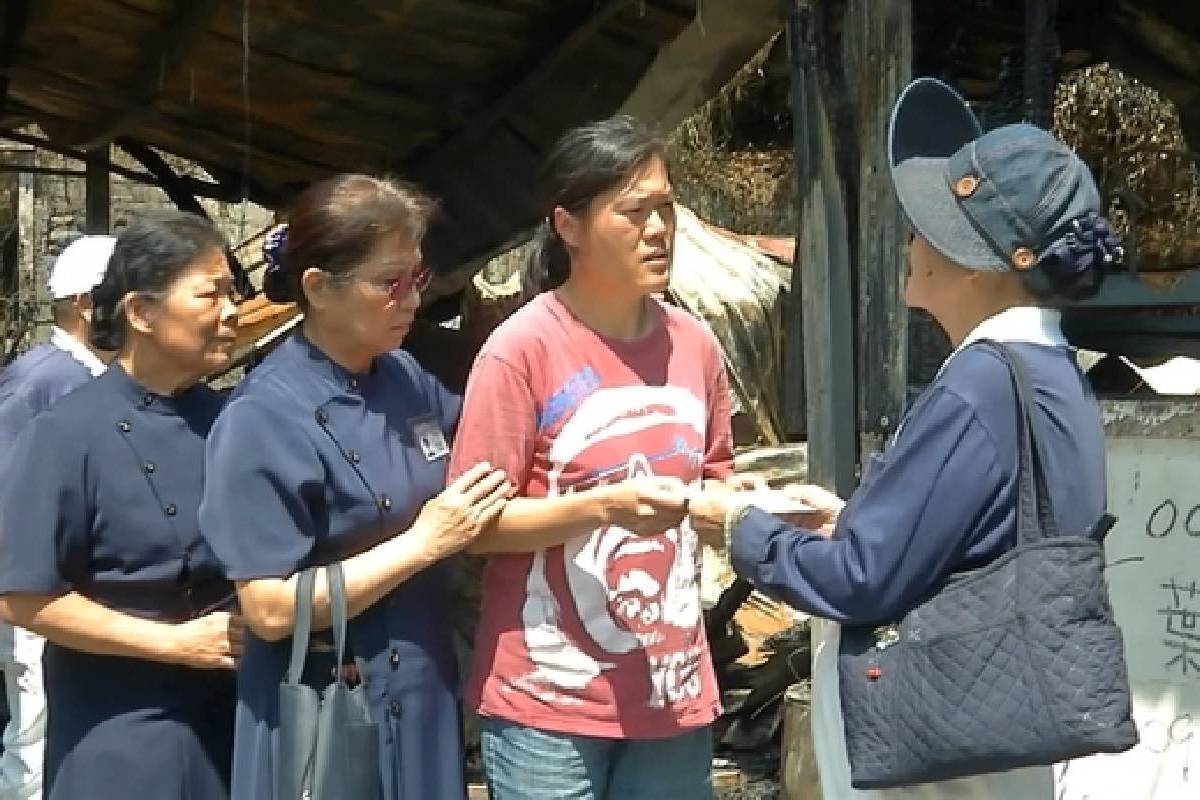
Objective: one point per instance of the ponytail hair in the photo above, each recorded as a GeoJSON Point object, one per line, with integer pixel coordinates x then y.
{"type": "Point", "coordinates": [585, 163]}
{"type": "Point", "coordinates": [547, 262]}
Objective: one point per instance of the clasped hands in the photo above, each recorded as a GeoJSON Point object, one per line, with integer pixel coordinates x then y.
{"type": "Point", "coordinates": [662, 503]}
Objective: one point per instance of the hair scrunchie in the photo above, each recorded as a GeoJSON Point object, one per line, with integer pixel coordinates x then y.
{"type": "Point", "coordinates": [1090, 244]}
{"type": "Point", "coordinates": [273, 247]}
{"type": "Point", "coordinates": [1076, 263]}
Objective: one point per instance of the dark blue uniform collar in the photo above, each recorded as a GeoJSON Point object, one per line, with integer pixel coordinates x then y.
{"type": "Point", "coordinates": [332, 375]}
{"type": "Point", "coordinates": [118, 380]}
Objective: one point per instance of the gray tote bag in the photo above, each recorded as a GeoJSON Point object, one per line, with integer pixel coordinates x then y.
{"type": "Point", "coordinates": [328, 745]}
{"type": "Point", "coordinates": [1013, 664]}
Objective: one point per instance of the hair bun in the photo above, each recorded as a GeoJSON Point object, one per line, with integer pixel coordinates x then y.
{"type": "Point", "coordinates": [1076, 263]}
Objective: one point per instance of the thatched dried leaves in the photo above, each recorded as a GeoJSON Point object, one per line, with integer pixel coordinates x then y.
{"type": "Point", "coordinates": [1131, 137]}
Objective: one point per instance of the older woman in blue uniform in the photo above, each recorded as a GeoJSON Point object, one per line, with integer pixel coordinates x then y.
{"type": "Point", "coordinates": [1004, 225]}
{"type": "Point", "coordinates": [334, 449]}
{"type": "Point", "coordinates": [29, 386]}
{"type": "Point", "coordinates": [100, 546]}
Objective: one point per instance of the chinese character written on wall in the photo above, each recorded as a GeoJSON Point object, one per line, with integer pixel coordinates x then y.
{"type": "Point", "coordinates": [1182, 626]}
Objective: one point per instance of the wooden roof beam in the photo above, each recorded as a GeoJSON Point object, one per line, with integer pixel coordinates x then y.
{"type": "Point", "coordinates": [198, 188]}
{"type": "Point", "coordinates": [168, 48]}
{"type": "Point", "coordinates": [480, 126]}
{"type": "Point", "coordinates": [16, 14]}
{"type": "Point", "coordinates": [181, 195]}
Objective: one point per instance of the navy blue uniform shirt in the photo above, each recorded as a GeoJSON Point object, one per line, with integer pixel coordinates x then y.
{"type": "Point", "coordinates": [101, 499]}
{"type": "Point", "coordinates": [33, 383]}
{"type": "Point", "coordinates": [310, 464]}
{"type": "Point", "coordinates": [943, 497]}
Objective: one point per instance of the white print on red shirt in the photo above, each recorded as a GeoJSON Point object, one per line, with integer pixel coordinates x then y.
{"type": "Point", "coordinates": [630, 592]}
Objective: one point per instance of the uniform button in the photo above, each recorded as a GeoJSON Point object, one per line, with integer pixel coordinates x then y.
{"type": "Point", "coordinates": [394, 657]}
{"type": "Point", "coordinates": [354, 457]}
{"type": "Point", "coordinates": [169, 509]}
{"type": "Point", "coordinates": [354, 384]}
{"type": "Point", "coordinates": [124, 427]}
{"type": "Point", "coordinates": [394, 708]}
{"type": "Point", "coordinates": [322, 417]}
{"type": "Point", "coordinates": [149, 467]}
{"type": "Point", "coordinates": [147, 399]}
{"type": "Point", "coordinates": [385, 502]}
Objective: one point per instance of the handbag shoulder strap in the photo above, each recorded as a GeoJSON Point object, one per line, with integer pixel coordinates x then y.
{"type": "Point", "coordinates": [305, 586]}
{"type": "Point", "coordinates": [336, 581]}
{"type": "Point", "coordinates": [1035, 509]}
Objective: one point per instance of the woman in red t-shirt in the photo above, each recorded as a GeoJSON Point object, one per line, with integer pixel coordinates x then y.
{"type": "Point", "coordinates": [592, 673]}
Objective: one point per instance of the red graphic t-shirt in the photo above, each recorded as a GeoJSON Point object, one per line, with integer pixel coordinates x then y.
{"type": "Point", "coordinates": [601, 636]}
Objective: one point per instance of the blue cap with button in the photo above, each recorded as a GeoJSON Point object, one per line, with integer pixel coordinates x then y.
{"type": "Point", "coordinates": [1014, 198]}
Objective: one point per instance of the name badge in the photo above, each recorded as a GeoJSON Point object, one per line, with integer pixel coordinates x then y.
{"type": "Point", "coordinates": [430, 438]}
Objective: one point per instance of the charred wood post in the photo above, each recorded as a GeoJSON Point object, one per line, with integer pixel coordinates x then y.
{"type": "Point", "coordinates": [849, 60]}
{"type": "Point", "coordinates": [97, 195]}
{"type": "Point", "coordinates": [879, 52]}
{"type": "Point", "coordinates": [818, 376]}
{"type": "Point", "coordinates": [1041, 56]}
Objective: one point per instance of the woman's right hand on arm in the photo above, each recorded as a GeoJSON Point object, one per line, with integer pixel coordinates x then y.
{"type": "Point", "coordinates": [452, 520]}
{"type": "Point", "coordinates": [213, 641]}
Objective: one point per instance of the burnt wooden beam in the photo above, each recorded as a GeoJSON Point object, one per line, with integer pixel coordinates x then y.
{"type": "Point", "coordinates": [16, 15]}
{"type": "Point", "coordinates": [482, 123]}
{"type": "Point", "coordinates": [98, 191]}
{"type": "Point", "coordinates": [35, 170]}
{"type": "Point", "coordinates": [185, 23]}
{"type": "Point", "coordinates": [168, 180]}
{"type": "Point", "coordinates": [177, 190]}
{"type": "Point", "coordinates": [1165, 40]}
{"type": "Point", "coordinates": [196, 187]}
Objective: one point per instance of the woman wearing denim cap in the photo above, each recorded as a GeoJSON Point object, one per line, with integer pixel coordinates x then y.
{"type": "Point", "coordinates": [1004, 225]}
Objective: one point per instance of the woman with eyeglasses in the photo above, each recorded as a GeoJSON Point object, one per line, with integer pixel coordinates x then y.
{"type": "Point", "coordinates": [100, 545]}
{"type": "Point", "coordinates": [334, 449]}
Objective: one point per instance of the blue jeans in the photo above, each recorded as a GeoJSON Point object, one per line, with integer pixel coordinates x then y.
{"type": "Point", "coordinates": [524, 763]}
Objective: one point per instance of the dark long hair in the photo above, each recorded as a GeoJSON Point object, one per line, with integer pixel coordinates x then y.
{"type": "Point", "coordinates": [585, 163]}
{"type": "Point", "coordinates": [149, 255]}
{"type": "Point", "coordinates": [334, 224]}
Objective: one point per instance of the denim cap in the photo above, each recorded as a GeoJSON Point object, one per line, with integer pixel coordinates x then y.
{"type": "Point", "coordinates": [995, 201]}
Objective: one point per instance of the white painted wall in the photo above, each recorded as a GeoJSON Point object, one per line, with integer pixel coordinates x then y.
{"type": "Point", "coordinates": [1154, 579]}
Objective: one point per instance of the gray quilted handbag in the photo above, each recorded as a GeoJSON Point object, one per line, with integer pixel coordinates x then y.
{"type": "Point", "coordinates": [1014, 664]}
{"type": "Point", "coordinates": [328, 745]}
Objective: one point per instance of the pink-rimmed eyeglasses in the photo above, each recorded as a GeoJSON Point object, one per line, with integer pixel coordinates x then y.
{"type": "Point", "coordinates": [396, 288]}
